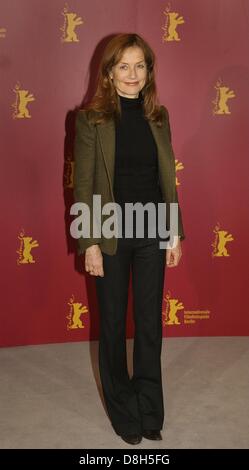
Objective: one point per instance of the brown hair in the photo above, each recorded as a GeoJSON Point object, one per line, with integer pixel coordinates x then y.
{"type": "Point", "coordinates": [106, 102]}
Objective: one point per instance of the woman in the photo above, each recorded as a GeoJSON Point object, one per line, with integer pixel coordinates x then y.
{"type": "Point", "coordinates": [123, 153]}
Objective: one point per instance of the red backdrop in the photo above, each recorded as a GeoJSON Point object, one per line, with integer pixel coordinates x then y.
{"type": "Point", "coordinates": [49, 57]}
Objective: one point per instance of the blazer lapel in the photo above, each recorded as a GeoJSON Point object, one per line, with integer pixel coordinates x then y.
{"type": "Point", "coordinates": [166, 160]}
{"type": "Point", "coordinates": [106, 133]}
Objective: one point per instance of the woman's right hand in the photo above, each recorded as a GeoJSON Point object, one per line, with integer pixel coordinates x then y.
{"type": "Point", "coordinates": [94, 261]}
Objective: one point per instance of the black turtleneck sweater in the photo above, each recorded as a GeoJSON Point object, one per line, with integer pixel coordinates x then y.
{"type": "Point", "coordinates": [136, 163]}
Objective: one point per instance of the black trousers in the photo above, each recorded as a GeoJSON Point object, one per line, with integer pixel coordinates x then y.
{"type": "Point", "coordinates": [133, 403]}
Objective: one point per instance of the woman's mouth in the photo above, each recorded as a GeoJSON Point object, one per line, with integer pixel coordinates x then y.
{"type": "Point", "coordinates": [133, 83]}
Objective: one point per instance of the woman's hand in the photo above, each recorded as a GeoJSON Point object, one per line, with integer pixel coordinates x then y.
{"type": "Point", "coordinates": [173, 255]}
{"type": "Point", "coordinates": [94, 261]}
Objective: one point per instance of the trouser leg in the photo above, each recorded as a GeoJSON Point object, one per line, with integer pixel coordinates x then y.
{"type": "Point", "coordinates": [112, 292]}
{"type": "Point", "coordinates": [148, 272]}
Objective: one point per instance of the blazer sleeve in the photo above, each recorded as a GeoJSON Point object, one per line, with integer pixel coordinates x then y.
{"type": "Point", "coordinates": [84, 170]}
{"type": "Point", "coordinates": [180, 221]}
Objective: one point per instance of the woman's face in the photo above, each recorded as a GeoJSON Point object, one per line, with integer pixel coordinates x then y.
{"type": "Point", "coordinates": [129, 74]}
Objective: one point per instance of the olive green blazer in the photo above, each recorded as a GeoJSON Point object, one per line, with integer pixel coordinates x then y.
{"type": "Point", "coordinates": [94, 156]}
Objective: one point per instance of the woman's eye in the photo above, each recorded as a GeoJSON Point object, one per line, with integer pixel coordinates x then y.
{"type": "Point", "coordinates": [125, 66]}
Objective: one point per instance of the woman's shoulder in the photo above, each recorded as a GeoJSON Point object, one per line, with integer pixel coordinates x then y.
{"type": "Point", "coordinates": [90, 115]}
{"type": "Point", "coordinates": [84, 115]}
{"type": "Point", "coordinates": [164, 111]}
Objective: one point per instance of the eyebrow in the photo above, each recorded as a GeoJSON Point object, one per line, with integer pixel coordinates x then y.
{"type": "Point", "coordinates": [136, 62]}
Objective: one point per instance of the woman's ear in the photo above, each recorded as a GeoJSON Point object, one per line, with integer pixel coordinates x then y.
{"type": "Point", "coordinates": [110, 74]}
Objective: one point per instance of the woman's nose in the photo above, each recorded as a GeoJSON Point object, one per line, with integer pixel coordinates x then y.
{"type": "Point", "coordinates": [132, 73]}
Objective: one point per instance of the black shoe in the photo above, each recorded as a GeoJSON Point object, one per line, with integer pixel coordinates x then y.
{"type": "Point", "coordinates": [152, 434]}
{"type": "Point", "coordinates": [131, 438]}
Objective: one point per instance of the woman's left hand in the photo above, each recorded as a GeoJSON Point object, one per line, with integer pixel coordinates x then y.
{"type": "Point", "coordinates": [173, 255]}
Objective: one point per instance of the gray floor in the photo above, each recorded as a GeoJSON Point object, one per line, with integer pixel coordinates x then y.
{"type": "Point", "coordinates": [49, 397]}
